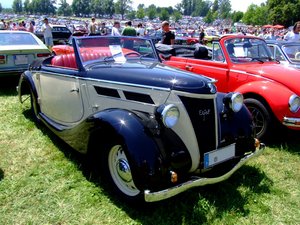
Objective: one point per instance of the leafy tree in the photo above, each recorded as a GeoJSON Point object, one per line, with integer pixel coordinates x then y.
{"type": "Point", "coordinates": [17, 6]}
{"type": "Point", "coordinates": [131, 15]}
{"type": "Point", "coordinates": [201, 8]}
{"type": "Point", "coordinates": [285, 12]}
{"type": "Point", "coordinates": [27, 8]}
{"type": "Point", "coordinates": [236, 16]}
{"type": "Point", "coordinates": [1, 8]}
{"type": "Point", "coordinates": [109, 7]}
{"type": "Point", "coordinates": [64, 9]}
{"type": "Point", "coordinates": [151, 12]}
{"type": "Point", "coordinates": [224, 9]}
{"type": "Point", "coordinates": [97, 7]}
{"type": "Point", "coordinates": [177, 15]}
{"type": "Point", "coordinates": [164, 14]}
{"type": "Point", "coordinates": [81, 7]}
{"type": "Point", "coordinates": [123, 6]}
{"type": "Point", "coordinates": [140, 11]}
{"type": "Point", "coordinates": [209, 17]}
{"type": "Point", "coordinates": [256, 15]}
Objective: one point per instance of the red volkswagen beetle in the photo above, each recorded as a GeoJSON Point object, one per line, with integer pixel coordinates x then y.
{"type": "Point", "coordinates": [244, 64]}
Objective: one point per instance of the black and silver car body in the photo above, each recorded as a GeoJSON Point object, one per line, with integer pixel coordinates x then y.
{"type": "Point", "coordinates": [158, 130]}
{"type": "Point", "coordinates": [286, 52]}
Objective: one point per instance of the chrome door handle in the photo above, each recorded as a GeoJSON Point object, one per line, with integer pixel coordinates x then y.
{"type": "Point", "coordinates": [75, 90]}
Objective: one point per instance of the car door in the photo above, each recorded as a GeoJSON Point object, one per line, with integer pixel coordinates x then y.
{"type": "Point", "coordinates": [216, 68]}
{"type": "Point", "coordinates": [60, 97]}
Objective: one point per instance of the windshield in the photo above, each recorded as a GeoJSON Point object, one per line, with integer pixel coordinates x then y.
{"type": "Point", "coordinates": [243, 50]}
{"type": "Point", "coordinates": [293, 52]}
{"type": "Point", "coordinates": [15, 38]}
{"type": "Point", "coordinates": [115, 49]}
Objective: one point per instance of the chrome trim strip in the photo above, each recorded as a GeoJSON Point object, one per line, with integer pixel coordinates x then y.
{"type": "Point", "coordinates": [111, 82]}
{"type": "Point", "coordinates": [291, 122]}
{"type": "Point", "coordinates": [200, 181]}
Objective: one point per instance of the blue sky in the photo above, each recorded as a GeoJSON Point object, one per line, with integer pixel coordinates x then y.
{"type": "Point", "coordinates": [237, 5]}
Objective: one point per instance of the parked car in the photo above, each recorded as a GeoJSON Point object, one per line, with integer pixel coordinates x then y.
{"type": "Point", "coordinates": [17, 50]}
{"type": "Point", "coordinates": [244, 64]}
{"type": "Point", "coordinates": [155, 131]}
{"type": "Point", "coordinates": [60, 33]}
{"type": "Point", "coordinates": [287, 53]}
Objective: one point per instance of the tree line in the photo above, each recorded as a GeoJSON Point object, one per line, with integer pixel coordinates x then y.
{"type": "Point", "coordinates": [285, 12]}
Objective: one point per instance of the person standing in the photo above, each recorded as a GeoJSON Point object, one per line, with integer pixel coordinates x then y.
{"type": "Point", "coordinates": [31, 27]}
{"type": "Point", "coordinates": [47, 31]}
{"type": "Point", "coordinates": [168, 37]}
{"type": "Point", "coordinates": [103, 29]}
{"type": "Point", "coordinates": [201, 37]}
{"type": "Point", "coordinates": [129, 30]}
{"type": "Point", "coordinates": [140, 30]}
{"type": "Point", "coordinates": [92, 28]}
{"type": "Point", "coordinates": [115, 31]}
{"type": "Point", "coordinates": [294, 34]}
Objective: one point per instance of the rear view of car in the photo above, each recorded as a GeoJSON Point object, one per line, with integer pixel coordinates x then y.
{"type": "Point", "coordinates": [18, 49]}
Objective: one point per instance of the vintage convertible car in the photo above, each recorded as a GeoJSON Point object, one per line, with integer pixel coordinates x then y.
{"type": "Point", "coordinates": [153, 130]}
{"type": "Point", "coordinates": [244, 64]}
{"type": "Point", "coordinates": [288, 53]}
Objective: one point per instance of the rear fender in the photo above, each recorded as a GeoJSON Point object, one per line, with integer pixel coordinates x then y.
{"type": "Point", "coordinates": [26, 85]}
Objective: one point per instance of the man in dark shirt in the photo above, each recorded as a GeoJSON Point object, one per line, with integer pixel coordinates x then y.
{"type": "Point", "coordinates": [168, 37]}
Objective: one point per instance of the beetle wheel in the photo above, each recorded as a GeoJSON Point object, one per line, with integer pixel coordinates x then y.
{"type": "Point", "coordinates": [120, 173]}
{"type": "Point", "coordinates": [261, 117]}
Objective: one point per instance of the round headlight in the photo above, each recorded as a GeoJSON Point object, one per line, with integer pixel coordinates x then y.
{"type": "Point", "coordinates": [294, 103]}
{"type": "Point", "coordinates": [236, 102]}
{"type": "Point", "coordinates": [170, 115]}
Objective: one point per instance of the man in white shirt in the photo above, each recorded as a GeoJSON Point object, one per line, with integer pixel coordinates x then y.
{"type": "Point", "coordinates": [294, 34]}
{"type": "Point", "coordinates": [115, 31]}
{"type": "Point", "coordinates": [47, 31]}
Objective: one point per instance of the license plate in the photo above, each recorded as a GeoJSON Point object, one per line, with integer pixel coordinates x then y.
{"type": "Point", "coordinates": [220, 155]}
{"type": "Point", "coordinates": [21, 59]}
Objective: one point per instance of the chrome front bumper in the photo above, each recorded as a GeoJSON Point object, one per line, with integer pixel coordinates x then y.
{"type": "Point", "coordinates": [291, 122]}
{"type": "Point", "coordinates": [170, 192]}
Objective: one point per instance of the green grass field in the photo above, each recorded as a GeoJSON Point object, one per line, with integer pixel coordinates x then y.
{"type": "Point", "coordinates": [43, 181]}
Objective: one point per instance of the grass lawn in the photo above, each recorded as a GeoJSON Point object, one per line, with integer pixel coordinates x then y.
{"type": "Point", "coordinates": [43, 181]}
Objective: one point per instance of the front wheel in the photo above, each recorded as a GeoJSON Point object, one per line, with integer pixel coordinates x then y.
{"type": "Point", "coordinates": [118, 172]}
{"type": "Point", "coordinates": [261, 117]}
{"type": "Point", "coordinates": [34, 106]}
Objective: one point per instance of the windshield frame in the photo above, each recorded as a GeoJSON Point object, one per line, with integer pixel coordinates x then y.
{"type": "Point", "coordinates": [241, 50]}
{"type": "Point", "coordinates": [104, 46]}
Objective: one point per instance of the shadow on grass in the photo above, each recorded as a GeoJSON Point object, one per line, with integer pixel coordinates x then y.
{"type": "Point", "coordinates": [1, 174]}
{"type": "Point", "coordinates": [8, 85]}
{"type": "Point", "coordinates": [285, 139]}
{"type": "Point", "coordinates": [196, 206]}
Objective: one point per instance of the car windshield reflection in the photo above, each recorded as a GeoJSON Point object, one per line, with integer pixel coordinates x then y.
{"type": "Point", "coordinates": [292, 52]}
{"type": "Point", "coordinates": [243, 50]}
{"type": "Point", "coordinates": [115, 49]}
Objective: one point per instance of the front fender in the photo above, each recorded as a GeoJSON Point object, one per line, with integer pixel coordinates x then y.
{"type": "Point", "coordinates": [276, 95]}
{"type": "Point", "coordinates": [142, 151]}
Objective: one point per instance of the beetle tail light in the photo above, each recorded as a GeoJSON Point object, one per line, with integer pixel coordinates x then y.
{"type": "Point", "coordinates": [2, 59]}
{"type": "Point", "coordinates": [43, 55]}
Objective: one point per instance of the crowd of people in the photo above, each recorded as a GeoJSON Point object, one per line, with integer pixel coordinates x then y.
{"type": "Point", "coordinates": [168, 30]}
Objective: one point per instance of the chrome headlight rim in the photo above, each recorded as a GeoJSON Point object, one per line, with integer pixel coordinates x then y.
{"type": "Point", "coordinates": [236, 102]}
{"type": "Point", "coordinates": [170, 115]}
{"type": "Point", "coordinates": [294, 103]}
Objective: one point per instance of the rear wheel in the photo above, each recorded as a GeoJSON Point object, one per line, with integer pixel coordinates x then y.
{"type": "Point", "coordinates": [261, 117]}
{"type": "Point", "coordinates": [34, 106]}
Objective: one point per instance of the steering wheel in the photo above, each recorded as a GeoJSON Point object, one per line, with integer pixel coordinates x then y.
{"type": "Point", "coordinates": [132, 53]}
